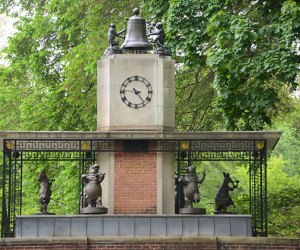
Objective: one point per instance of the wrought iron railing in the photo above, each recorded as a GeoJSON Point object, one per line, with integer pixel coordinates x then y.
{"type": "Point", "coordinates": [17, 152]}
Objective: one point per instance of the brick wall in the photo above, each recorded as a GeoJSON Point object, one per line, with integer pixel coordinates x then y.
{"type": "Point", "coordinates": [135, 183]}
{"type": "Point", "coordinates": [260, 246]}
{"type": "Point", "coordinates": [150, 243]}
{"type": "Point", "coordinates": [155, 246]}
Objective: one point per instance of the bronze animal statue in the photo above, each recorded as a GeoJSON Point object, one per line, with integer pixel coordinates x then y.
{"type": "Point", "coordinates": [112, 34]}
{"type": "Point", "coordinates": [159, 39]}
{"type": "Point", "coordinates": [223, 199]}
{"type": "Point", "coordinates": [113, 43]}
{"type": "Point", "coordinates": [160, 35]}
{"type": "Point", "coordinates": [190, 182]}
{"type": "Point", "coordinates": [92, 192]}
{"type": "Point", "coordinates": [45, 191]}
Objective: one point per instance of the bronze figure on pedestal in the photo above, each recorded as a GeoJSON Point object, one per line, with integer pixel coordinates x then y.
{"type": "Point", "coordinates": [223, 199]}
{"type": "Point", "coordinates": [45, 191]}
{"type": "Point", "coordinates": [92, 192]}
{"type": "Point", "coordinates": [190, 182]}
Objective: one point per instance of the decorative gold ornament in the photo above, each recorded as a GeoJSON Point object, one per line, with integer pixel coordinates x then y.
{"type": "Point", "coordinates": [9, 145]}
{"type": "Point", "coordinates": [260, 145]}
{"type": "Point", "coordinates": [185, 145]}
{"type": "Point", "coordinates": [86, 146]}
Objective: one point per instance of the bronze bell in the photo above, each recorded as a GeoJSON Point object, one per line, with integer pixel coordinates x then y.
{"type": "Point", "coordinates": [136, 37]}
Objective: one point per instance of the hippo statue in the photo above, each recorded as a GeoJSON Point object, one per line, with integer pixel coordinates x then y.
{"type": "Point", "coordinates": [92, 192]}
{"type": "Point", "coordinates": [190, 182]}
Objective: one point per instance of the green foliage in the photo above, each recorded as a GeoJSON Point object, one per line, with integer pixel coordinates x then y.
{"type": "Point", "coordinates": [289, 144]}
{"type": "Point", "coordinates": [195, 101]}
{"type": "Point", "coordinates": [284, 213]}
{"type": "Point", "coordinates": [283, 198]}
{"type": "Point", "coordinates": [66, 195]}
{"type": "Point", "coordinates": [249, 46]}
{"type": "Point", "coordinates": [50, 80]}
{"type": "Point", "coordinates": [246, 59]}
{"type": "Point", "coordinates": [284, 175]}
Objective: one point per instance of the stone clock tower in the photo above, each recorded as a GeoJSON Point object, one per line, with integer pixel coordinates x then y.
{"type": "Point", "coordinates": [136, 92]}
{"type": "Point", "coordinates": [136, 95]}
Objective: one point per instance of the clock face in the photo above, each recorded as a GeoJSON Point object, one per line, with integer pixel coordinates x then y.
{"type": "Point", "coordinates": [136, 92]}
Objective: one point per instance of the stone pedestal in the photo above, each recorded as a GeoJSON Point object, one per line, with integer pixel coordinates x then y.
{"type": "Point", "coordinates": [192, 210]}
{"type": "Point", "coordinates": [93, 210]}
{"type": "Point", "coordinates": [133, 225]}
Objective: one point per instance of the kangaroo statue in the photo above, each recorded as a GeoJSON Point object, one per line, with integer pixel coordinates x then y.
{"type": "Point", "coordinates": [223, 199]}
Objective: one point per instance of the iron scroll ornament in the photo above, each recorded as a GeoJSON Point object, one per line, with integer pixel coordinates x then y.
{"type": "Point", "coordinates": [136, 92]}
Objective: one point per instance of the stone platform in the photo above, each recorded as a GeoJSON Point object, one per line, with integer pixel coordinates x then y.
{"type": "Point", "coordinates": [132, 225]}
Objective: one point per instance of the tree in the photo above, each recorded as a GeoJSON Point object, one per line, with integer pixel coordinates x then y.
{"type": "Point", "coordinates": [289, 144]}
{"type": "Point", "coordinates": [195, 101]}
{"type": "Point", "coordinates": [50, 80]}
{"type": "Point", "coordinates": [251, 48]}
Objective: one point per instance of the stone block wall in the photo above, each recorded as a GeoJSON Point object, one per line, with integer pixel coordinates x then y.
{"type": "Point", "coordinates": [58, 226]}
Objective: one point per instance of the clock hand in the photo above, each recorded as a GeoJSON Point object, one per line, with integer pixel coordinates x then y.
{"type": "Point", "coordinates": [137, 92]}
{"type": "Point", "coordinates": [140, 97]}
{"type": "Point", "coordinates": [126, 90]}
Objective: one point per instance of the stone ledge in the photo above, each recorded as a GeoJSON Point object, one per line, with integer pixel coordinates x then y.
{"type": "Point", "coordinates": [139, 56]}
{"type": "Point", "coordinates": [43, 240]}
{"type": "Point", "coordinates": [152, 239]}
{"type": "Point", "coordinates": [257, 240]}
{"type": "Point", "coordinates": [135, 216]}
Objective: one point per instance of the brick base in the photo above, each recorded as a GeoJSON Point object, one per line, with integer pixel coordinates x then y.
{"type": "Point", "coordinates": [135, 183]}
{"type": "Point", "coordinates": [149, 243]}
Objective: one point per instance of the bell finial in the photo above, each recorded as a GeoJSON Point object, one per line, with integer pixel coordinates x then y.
{"type": "Point", "coordinates": [136, 11]}
{"type": "Point", "coordinates": [136, 40]}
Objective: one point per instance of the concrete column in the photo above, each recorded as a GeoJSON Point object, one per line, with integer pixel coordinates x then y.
{"type": "Point", "coordinates": [157, 115]}
{"type": "Point", "coordinates": [107, 162]}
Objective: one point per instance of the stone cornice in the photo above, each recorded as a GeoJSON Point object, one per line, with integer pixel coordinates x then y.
{"type": "Point", "coordinates": [272, 137]}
